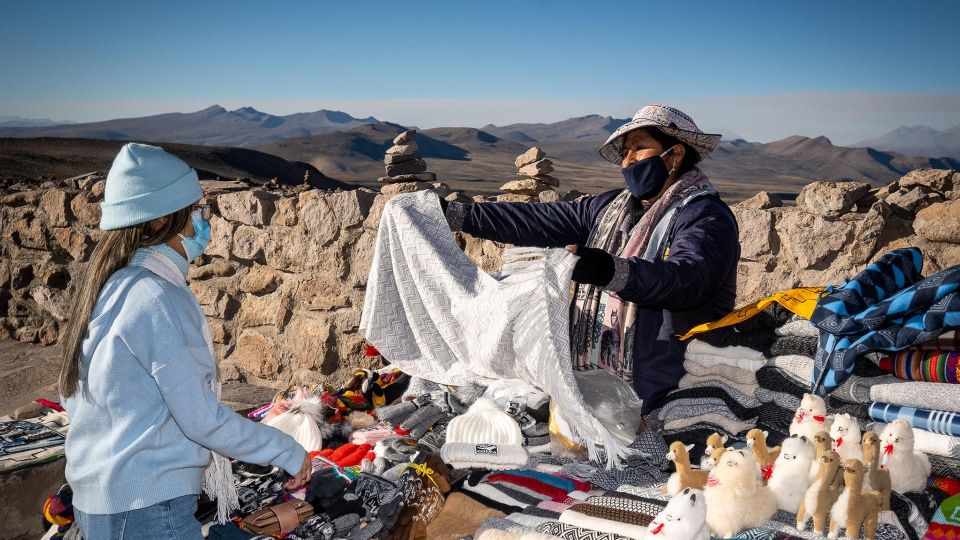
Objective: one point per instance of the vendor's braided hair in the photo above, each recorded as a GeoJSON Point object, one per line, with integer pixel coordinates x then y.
{"type": "Point", "coordinates": [113, 252]}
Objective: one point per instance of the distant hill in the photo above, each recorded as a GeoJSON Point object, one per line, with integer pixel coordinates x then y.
{"type": "Point", "coordinates": [592, 127]}
{"type": "Point", "coordinates": [918, 140]}
{"type": "Point", "coordinates": [16, 121]}
{"type": "Point", "coordinates": [23, 159]}
{"type": "Point", "coordinates": [216, 126]}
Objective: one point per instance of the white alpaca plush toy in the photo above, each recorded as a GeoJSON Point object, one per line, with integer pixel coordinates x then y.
{"type": "Point", "coordinates": [790, 478]}
{"type": "Point", "coordinates": [845, 433]}
{"type": "Point", "coordinates": [908, 469]}
{"type": "Point", "coordinates": [811, 417]}
{"type": "Point", "coordinates": [684, 518]}
{"type": "Point", "coordinates": [736, 497]}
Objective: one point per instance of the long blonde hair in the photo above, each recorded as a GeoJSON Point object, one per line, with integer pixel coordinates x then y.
{"type": "Point", "coordinates": [112, 253]}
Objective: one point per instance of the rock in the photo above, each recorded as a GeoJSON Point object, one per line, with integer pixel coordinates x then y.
{"type": "Point", "coordinates": [456, 196]}
{"type": "Point", "coordinates": [867, 233]}
{"type": "Point", "coordinates": [756, 280]}
{"type": "Point", "coordinates": [28, 233]}
{"type": "Point", "coordinates": [77, 245]}
{"type": "Point", "coordinates": [761, 201]}
{"type": "Point", "coordinates": [51, 302]}
{"type": "Point", "coordinates": [308, 340]}
{"type": "Point", "coordinates": [515, 197]}
{"type": "Point", "coordinates": [320, 295]}
{"type": "Point", "coordinates": [757, 237]}
{"type": "Point", "coordinates": [52, 274]}
{"type": "Point", "coordinates": [526, 186]}
{"type": "Point", "coordinates": [221, 238]}
{"type": "Point", "coordinates": [21, 276]}
{"type": "Point", "coordinates": [403, 187]}
{"type": "Point", "coordinates": [392, 159]}
{"type": "Point", "coordinates": [215, 268]}
{"type": "Point", "coordinates": [408, 149]}
{"type": "Point", "coordinates": [939, 222]}
{"type": "Point", "coordinates": [270, 309]}
{"type": "Point", "coordinates": [547, 179]}
{"type": "Point", "coordinates": [544, 166]}
{"type": "Point", "coordinates": [213, 301]}
{"type": "Point", "coordinates": [248, 243]}
{"type": "Point", "coordinates": [883, 192]}
{"type": "Point", "coordinates": [528, 157]}
{"type": "Point", "coordinates": [54, 207]}
{"type": "Point", "coordinates": [4, 278]}
{"type": "Point", "coordinates": [30, 410]}
{"type": "Point", "coordinates": [21, 198]}
{"type": "Point", "coordinates": [548, 196]}
{"type": "Point", "coordinates": [442, 190]}
{"type": "Point", "coordinates": [938, 180]}
{"type": "Point", "coordinates": [285, 212]}
{"type": "Point", "coordinates": [261, 280]}
{"type": "Point", "coordinates": [412, 166]}
{"type": "Point", "coordinates": [907, 203]}
{"type": "Point", "coordinates": [219, 333]}
{"type": "Point", "coordinates": [811, 239]}
{"type": "Point", "coordinates": [419, 177]}
{"type": "Point", "coordinates": [86, 209]}
{"type": "Point", "coordinates": [97, 189]}
{"type": "Point", "coordinates": [405, 137]}
{"type": "Point", "coordinates": [256, 354]}
{"type": "Point", "coordinates": [831, 198]}
{"type": "Point", "coordinates": [254, 207]}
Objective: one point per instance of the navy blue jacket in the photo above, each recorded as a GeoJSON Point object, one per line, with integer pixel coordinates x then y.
{"type": "Point", "coordinates": [697, 282]}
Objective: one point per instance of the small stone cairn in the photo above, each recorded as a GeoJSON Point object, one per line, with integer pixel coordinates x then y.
{"type": "Point", "coordinates": [536, 184]}
{"type": "Point", "coordinates": [402, 162]}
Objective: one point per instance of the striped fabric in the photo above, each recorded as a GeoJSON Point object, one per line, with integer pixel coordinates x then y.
{"type": "Point", "coordinates": [929, 366]}
{"type": "Point", "coordinates": [947, 423]}
{"type": "Point", "coordinates": [947, 341]}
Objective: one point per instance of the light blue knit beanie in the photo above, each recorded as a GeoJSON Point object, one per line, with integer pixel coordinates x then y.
{"type": "Point", "coordinates": [145, 183]}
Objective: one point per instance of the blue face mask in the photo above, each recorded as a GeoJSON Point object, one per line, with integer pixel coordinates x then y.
{"type": "Point", "coordinates": [646, 177]}
{"type": "Point", "coordinates": [194, 245]}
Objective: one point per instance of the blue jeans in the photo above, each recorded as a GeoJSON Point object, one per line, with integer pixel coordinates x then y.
{"type": "Point", "coordinates": [167, 520]}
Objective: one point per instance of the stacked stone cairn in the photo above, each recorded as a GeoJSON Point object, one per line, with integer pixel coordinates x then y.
{"type": "Point", "coordinates": [402, 162]}
{"type": "Point", "coordinates": [536, 184]}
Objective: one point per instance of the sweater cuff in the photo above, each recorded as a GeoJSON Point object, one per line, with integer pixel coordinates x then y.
{"type": "Point", "coordinates": [456, 212]}
{"type": "Point", "coordinates": [621, 271]}
{"type": "Point", "coordinates": [291, 460]}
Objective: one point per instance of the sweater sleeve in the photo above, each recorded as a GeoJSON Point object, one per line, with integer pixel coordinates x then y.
{"type": "Point", "coordinates": [704, 250]}
{"type": "Point", "coordinates": [171, 347]}
{"type": "Point", "coordinates": [524, 224]}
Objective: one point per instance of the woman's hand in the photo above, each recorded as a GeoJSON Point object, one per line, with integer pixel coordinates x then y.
{"type": "Point", "coordinates": [595, 266]}
{"type": "Point", "coordinates": [301, 478]}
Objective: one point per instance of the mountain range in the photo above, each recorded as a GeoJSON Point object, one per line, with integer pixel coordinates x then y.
{"type": "Point", "coordinates": [245, 127]}
{"type": "Point", "coordinates": [918, 140]}
{"type": "Point", "coordinates": [480, 160]}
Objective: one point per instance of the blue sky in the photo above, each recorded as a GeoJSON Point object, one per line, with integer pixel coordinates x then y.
{"type": "Point", "coordinates": [849, 70]}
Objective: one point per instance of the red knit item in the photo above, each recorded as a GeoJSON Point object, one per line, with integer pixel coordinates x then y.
{"type": "Point", "coordinates": [372, 351]}
{"type": "Point", "coordinates": [577, 484]}
{"type": "Point", "coordinates": [50, 405]}
{"type": "Point", "coordinates": [942, 531]}
{"type": "Point", "coordinates": [950, 486]}
{"type": "Point", "coordinates": [532, 484]}
{"type": "Point", "coordinates": [403, 432]}
{"type": "Point", "coordinates": [766, 471]}
{"type": "Point", "coordinates": [355, 457]}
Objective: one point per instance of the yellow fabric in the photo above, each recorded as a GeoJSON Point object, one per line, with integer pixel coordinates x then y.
{"type": "Point", "coordinates": [561, 431]}
{"type": "Point", "coordinates": [801, 301]}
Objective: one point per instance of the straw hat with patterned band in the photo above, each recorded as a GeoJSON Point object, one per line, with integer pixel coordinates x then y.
{"type": "Point", "coordinates": [671, 121]}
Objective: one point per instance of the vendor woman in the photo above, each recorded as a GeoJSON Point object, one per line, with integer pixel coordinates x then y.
{"type": "Point", "coordinates": [657, 256]}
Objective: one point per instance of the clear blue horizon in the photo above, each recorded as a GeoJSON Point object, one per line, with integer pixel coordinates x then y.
{"type": "Point", "coordinates": [763, 70]}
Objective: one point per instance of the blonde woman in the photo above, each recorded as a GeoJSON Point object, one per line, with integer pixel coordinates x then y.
{"type": "Point", "coordinates": [139, 379]}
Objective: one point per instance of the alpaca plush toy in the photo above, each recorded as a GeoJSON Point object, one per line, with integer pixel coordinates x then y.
{"type": "Point", "coordinates": [714, 441]}
{"type": "Point", "coordinates": [684, 518]}
{"type": "Point", "coordinates": [757, 442]}
{"type": "Point", "coordinates": [845, 433]}
{"type": "Point", "coordinates": [685, 477]}
{"type": "Point", "coordinates": [877, 478]}
{"type": "Point", "coordinates": [790, 478]}
{"type": "Point", "coordinates": [736, 497]}
{"type": "Point", "coordinates": [854, 507]}
{"type": "Point", "coordinates": [822, 493]}
{"type": "Point", "coordinates": [823, 444]}
{"type": "Point", "coordinates": [811, 417]}
{"type": "Point", "coordinates": [908, 469]}
{"type": "Point", "coordinates": [714, 459]}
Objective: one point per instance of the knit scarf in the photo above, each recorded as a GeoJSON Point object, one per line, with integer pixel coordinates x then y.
{"type": "Point", "coordinates": [218, 477]}
{"type": "Point", "coordinates": [601, 322]}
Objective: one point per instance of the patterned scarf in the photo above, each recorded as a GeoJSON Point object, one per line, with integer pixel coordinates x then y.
{"type": "Point", "coordinates": [602, 323]}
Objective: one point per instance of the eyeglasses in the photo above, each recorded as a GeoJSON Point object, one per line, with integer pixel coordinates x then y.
{"type": "Point", "coordinates": [205, 211]}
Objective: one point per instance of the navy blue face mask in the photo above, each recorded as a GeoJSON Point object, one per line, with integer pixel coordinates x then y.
{"type": "Point", "coordinates": [646, 177]}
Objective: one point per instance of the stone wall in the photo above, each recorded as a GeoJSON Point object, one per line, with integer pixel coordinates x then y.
{"type": "Point", "coordinates": [283, 279]}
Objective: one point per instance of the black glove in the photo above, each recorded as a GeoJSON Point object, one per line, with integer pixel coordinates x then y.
{"type": "Point", "coordinates": [595, 266]}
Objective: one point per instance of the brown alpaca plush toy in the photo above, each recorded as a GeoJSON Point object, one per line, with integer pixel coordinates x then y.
{"type": "Point", "coordinates": [855, 507]}
{"type": "Point", "coordinates": [822, 493]}
{"type": "Point", "coordinates": [824, 445]}
{"type": "Point", "coordinates": [714, 441]}
{"type": "Point", "coordinates": [757, 441]}
{"type": "Point", "coordinates": [879, 478]}
{"type": "Point", "coordinates": [685, 477]}
{"type": "Point", "coordinates": [714, 458]}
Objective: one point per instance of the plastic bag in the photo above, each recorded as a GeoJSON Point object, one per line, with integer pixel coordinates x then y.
{"type": "Point", "coordinates": [613, 402]}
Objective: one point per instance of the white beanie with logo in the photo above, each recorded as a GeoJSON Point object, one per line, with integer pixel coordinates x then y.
{"type": "Point", "coordinates": [484, 437]}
